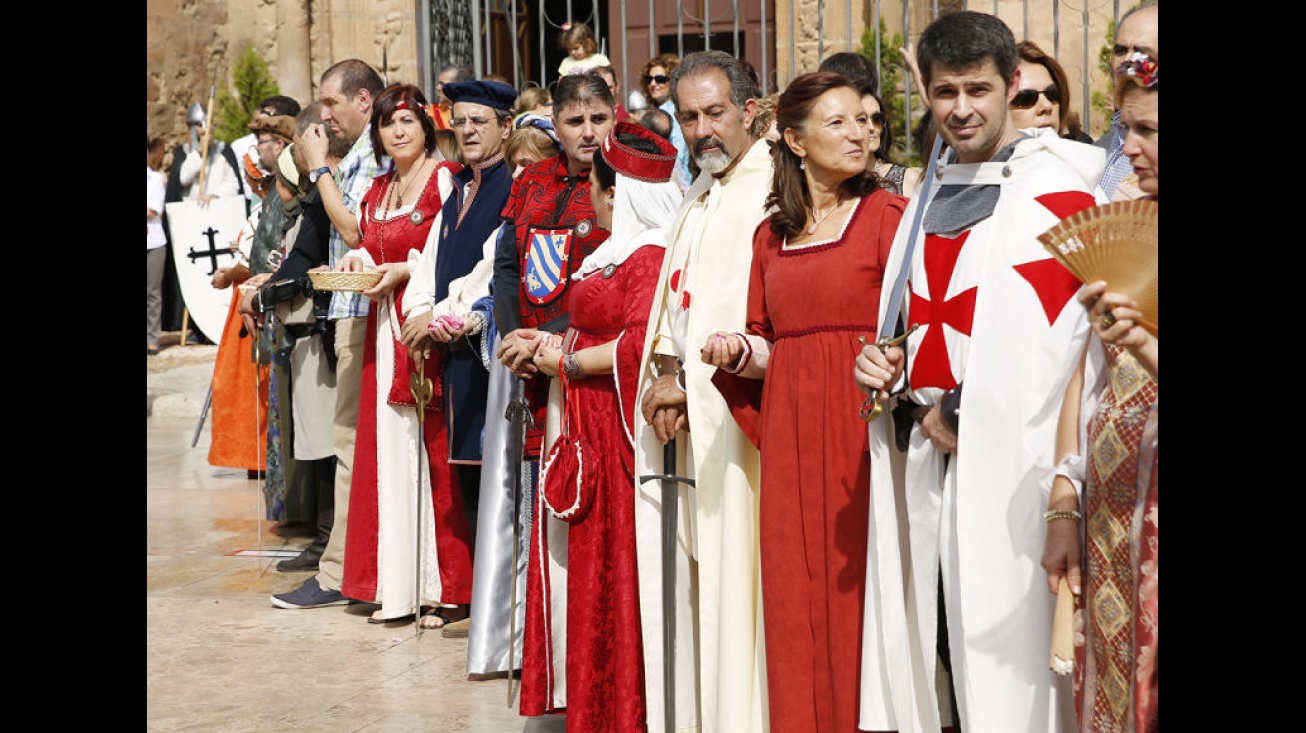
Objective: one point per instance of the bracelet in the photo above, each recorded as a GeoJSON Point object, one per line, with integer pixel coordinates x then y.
{"type": "Point", "coordinates": [570, 366]}
{"type": "Point", "coordinates": [477, 321]}
{"type": "Point", "coordinates": [1062, 514]}
{"type": "Point", "coordinates": [680, 378]}
{"type": "Point", "coordinates": [745, 354]}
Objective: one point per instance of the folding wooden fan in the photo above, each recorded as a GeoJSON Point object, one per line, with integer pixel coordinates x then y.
{"type": "Point", "coordinates": [1115, 242]}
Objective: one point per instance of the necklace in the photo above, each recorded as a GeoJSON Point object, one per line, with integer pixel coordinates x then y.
{"type": "Point", "coordinates": [395, 197]}
{"type": "Point", "coordinates": [391, 202]}
{"type": "Point", "coordinates": [816, 220]}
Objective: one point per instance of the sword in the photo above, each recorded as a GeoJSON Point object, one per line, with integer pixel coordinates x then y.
{"type": "Point", "coordinates": [870, 408]}
{"type": "Point", "coordinates": [670, 502]}
{"type": "Point", "coordinates": [204, 414]}
{"type": "Point", "coordinates": [259, 445]}
{"type": "Point", "coordinates": [518, 413]}
{"type": "Point", "coordinates": [421, 387]}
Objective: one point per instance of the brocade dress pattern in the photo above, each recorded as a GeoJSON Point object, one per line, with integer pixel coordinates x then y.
{"type": "Point", "coordinates": [604, 667]}
{"type": "Point", "coordinates": [1115, 653]}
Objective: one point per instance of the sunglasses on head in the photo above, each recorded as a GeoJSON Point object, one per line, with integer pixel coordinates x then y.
{"type": "Point", "coordinates": [660, 79]}
{"type": "Point", "coordinates": [1026, 98]}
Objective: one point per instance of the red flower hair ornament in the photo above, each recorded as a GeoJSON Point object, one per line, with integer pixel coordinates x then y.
{"type": "Point", "coordinates": [1142, 67]}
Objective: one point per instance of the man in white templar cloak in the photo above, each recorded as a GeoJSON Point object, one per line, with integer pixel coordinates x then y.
{"type": "Point", "coordinates": [997, 315]}
{"type": "Point", "coordinates": [703, 287]}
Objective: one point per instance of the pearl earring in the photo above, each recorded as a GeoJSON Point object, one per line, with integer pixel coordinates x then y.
{"type": "Point", "coordinates": [802, 165]}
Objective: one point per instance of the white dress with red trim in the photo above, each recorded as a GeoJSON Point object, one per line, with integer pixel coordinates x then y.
{"type": "Point", "coordinates": [381, 545]}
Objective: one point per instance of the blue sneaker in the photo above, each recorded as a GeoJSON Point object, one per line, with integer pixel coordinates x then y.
{"type": "Point", "coordinates": [309, 595]}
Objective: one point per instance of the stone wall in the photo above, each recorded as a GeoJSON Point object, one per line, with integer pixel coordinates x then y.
{"type": "Point", "coordinates": [187, 40]}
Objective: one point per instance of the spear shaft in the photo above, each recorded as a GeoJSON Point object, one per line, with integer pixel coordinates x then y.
{"type": "Point", "coordinates": [208, 134]}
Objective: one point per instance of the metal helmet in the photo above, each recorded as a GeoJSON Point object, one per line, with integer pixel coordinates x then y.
{"type": "Point", "coordinates": [195, 114]}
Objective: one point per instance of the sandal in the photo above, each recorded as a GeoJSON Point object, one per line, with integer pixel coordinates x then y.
{"type": "Point", "coordinates": [438, 618]}
{"type": "Point", "coordinates": [377, 618]}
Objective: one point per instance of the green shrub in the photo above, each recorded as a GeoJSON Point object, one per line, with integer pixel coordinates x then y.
{"type": "Point", "coordinates": [254, 83]}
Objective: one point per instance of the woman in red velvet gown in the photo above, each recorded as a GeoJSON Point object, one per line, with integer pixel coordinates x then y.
{"type": "Point", "coordinates": [596, 666]}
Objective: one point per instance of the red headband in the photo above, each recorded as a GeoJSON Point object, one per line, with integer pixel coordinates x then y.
{"type": "Point", "coordinates": [637, 164]}
{"type": "Point", "coordinates": [415, 108]}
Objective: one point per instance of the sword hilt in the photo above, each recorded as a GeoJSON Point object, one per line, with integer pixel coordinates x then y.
{"type": "Point", "coordinates": [519, 413]}
{"type": "Point", "coordinates": [666, 477]}
{"type": "Point", "coordinates": [871, 407]}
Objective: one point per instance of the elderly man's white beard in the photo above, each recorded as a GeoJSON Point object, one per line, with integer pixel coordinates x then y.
{"type": "Point", "coordinates": [714, 161]}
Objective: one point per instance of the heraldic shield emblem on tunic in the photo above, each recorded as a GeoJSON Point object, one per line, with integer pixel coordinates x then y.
{"type": "Point", "coordinates": [546, 264]}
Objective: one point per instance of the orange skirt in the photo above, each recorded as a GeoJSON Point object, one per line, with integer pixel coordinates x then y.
{"type": "Point", "coordinates": [239, 412]}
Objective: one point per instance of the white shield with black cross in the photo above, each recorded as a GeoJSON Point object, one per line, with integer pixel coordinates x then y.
{"type": "Point", "coordinates": [201, 243]}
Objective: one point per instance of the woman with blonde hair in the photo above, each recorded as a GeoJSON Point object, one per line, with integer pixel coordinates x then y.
{"type": "Point", "coordinates": [535, 100]}
{"type": "Point", "coordinates": [656, 83]}
{"type": "Point", "coordinates": [1103, 519]}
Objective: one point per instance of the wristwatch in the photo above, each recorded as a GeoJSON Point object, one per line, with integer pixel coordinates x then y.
{"type": "Point", "coordinates": [313, 175]}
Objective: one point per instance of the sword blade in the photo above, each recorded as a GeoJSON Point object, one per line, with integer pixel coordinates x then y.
{"type": "Point", "coordinates": [517, 414]}
{"type": "Point", "coordinates": [419, 398]}
{"type": "Point", "coordinates": [670, 504]}
{"type": "Point", "coordinates": [204, 414]}
{"type": "Point", "coordinates": [890, 322]}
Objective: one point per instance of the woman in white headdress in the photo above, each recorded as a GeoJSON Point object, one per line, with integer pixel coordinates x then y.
{"type": "Point", "coordinates": [584, 534]}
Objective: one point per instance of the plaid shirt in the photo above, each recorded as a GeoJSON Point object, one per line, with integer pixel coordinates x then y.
{"type": "Point", "coordinates": [354, 178]}
{"type": "Point", "coordinates": [1118, 166]}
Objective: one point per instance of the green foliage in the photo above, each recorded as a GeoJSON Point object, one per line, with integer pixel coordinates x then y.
{"type": "Point", "coordinates": [254, 83]}
{"type": "Point", "coordinates": [892, 73]}
{"type": "Point", "coordinates": [1099, 101]}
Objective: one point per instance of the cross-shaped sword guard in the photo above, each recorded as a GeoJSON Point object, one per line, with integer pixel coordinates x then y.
{"type": "Point", "coordinates": [666, 477]}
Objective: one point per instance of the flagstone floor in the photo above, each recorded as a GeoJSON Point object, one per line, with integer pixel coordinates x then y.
{"type": "Point", "coordinates": [219, 656]}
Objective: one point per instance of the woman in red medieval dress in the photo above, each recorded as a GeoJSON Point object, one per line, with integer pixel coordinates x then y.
{"type": "Point", "coordinates": [592, 490]}
{"type": "Point", "coordinates": [404, 499]}
{"type": "Point", "coordinates": [792, 395]}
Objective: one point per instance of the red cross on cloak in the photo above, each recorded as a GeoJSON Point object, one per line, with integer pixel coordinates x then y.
{"type": "Point", "coordinates": [1052, 283]}
{"type": "Point", "coordinates": [675, 288]}
{"type": "Point", "coordinates": [932, 367]}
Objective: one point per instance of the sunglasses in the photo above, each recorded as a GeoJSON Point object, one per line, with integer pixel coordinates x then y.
{"type": "Point", "coordinates": [878, 119]}
{"type": "Point", "coordinates": [660, 79]}
{"type": "Point", "coordinates": [1026, 98]}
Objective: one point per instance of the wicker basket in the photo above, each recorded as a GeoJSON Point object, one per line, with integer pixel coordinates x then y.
{"type": "Point", "coordinates": [349, 282]}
